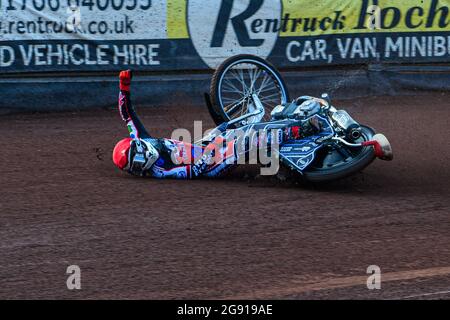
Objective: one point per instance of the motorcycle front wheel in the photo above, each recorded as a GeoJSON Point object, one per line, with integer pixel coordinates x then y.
{"type": "Point", "coordinates": [237, 79]}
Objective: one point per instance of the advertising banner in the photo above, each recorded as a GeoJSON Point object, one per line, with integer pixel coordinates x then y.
{"type": "Point", "coordinates": [158, 35]}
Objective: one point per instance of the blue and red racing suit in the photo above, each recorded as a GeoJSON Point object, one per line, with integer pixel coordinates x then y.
{"type": "Point", "coordinates": [177, 159]}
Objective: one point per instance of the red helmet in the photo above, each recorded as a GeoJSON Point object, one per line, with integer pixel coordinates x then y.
{"type": "Point", "coordinates": [121, 153]}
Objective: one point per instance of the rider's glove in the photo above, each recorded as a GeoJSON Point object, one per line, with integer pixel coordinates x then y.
{"type": "Point", "coordinates": [306, 128]}
{"type": "Point", "coordinates": [293, 133]}
{"type": "Point", "coordinates": [125, 80]}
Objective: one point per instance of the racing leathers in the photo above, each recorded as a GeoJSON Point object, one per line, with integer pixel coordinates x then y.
{"type": "Point", "coordinates": [177, 159]}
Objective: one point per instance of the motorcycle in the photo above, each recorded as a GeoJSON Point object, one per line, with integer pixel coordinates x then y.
{"type": "Point", "coordinates": [248, 93]}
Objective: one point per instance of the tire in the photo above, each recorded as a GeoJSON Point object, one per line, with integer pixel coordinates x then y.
{"type": "Point", "coordinates": [358, 163]}
{"type": "Point", "coordinates": [216, 107]}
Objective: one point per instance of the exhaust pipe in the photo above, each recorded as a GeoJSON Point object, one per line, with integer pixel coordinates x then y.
{"type": "Point", "coordinates": [351, 128]}
{"type": "Point", "coordinates": [354, 133]}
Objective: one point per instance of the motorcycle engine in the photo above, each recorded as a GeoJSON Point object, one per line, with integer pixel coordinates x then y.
{"type": "Point", "coordinates": [307, 109]}
{"type": "Point", "coordinates": [301, 109]}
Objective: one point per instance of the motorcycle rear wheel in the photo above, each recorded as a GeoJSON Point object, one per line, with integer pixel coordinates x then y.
{"type": "Point", "coordinates": [324, 169]}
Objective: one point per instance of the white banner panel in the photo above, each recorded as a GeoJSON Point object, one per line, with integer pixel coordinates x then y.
{"type": "Point", "coordinates": [82, 19]}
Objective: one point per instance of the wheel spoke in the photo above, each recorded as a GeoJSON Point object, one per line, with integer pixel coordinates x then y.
{"type": "Point", "coordinates": [233, 105]}
{"type": "Point", "coordinates": [232, 86]}
{"type": "Point", "coordinates": [242, 79]}
{"type": "Point", "coordinates": [263, 83]}
{"type": "Point", "coordinates": [236, 76]}
{"type": "Point", "coordinates": [246, 108]}
{"type": "Point", "coordinates": [273, 96]}
{"type": "Point", "coordinates": [232, 91]}
{"type": "Point", "coordinates": [256, 75]}
{"type": "Point", "coordinates": [269, 89]}
{"type": "Point", "coordinates": [273, 101]}
{"type": "Point", "coordinates": [229, 101]}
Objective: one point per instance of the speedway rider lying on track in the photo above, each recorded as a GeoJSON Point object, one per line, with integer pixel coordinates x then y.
{"type": "Point", "coordinates": [144, 155]}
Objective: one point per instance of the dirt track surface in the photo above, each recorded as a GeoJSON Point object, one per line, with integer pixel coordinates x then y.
{"type": "Point", "coordinates": [62, 202]}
